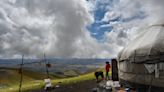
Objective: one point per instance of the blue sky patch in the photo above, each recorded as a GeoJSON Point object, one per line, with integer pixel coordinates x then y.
{"type": "Point", "coordinates": [96, 30]}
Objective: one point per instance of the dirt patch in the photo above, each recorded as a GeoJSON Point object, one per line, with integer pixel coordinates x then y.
{"type": "Point", "coordinates": [84, 86]}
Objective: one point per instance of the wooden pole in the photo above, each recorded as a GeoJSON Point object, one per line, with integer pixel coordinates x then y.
{"type": "Point", "coordinates": [21, 71]}
{"type": "Point", "coordinates": [46, 66]}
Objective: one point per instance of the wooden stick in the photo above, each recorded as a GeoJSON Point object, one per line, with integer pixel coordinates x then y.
{"type": "Point", "coordinates": [21, 69]}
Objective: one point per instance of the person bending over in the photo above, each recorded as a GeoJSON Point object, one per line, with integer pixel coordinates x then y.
{"type": "Point", "coordinates": [97, 74]}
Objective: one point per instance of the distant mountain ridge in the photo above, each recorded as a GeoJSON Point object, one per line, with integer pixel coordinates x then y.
{"type": "Point", "coordinates": [11, 62]}
{"type": "Point", "coordinates": [57, 65]}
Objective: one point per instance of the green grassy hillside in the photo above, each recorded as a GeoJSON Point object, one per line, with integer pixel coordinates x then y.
{"type": "Point", "coordinates": [11, 77]}
{"type": "Point", "coordinates": [9, 80]}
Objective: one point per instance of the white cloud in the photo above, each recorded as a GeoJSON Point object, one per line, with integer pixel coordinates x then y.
{"type": "Point", "coordinates": [31, 27]}
{"type": "Point", "coordinates": [135, 16]}
{"type": "Point", "coordinates": [110, 16]}
{"type": "Point", "coordinates": [58, 27]}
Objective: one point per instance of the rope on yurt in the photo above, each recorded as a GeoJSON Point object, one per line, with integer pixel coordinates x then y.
{"type": "Point", "coordinates": [135, 62]}
{"type": "Point", "coordinates": [150, 85]}
{"type": "Point", "coordinates": [134, 56]}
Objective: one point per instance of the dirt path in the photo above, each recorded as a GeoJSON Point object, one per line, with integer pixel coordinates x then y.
{"type": "Point", "coordinates": [85, 86]}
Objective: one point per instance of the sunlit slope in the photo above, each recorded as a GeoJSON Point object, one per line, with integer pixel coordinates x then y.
{"type": "Point", "coordinates": [11, 76]}
{"type": "Point", "coordinates": [33, 80]}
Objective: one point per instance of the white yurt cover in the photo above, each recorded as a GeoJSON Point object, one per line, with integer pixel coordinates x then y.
{"type": "Point", "coordinates": [148, 46]}
{"type": "Point", "coordinates": [141, 61]}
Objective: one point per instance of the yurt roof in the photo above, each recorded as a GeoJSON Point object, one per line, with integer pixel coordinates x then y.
{"type": "Point", "coordinates": [148, 47]}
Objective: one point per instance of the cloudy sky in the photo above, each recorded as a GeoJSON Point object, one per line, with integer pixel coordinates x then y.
{"type": "Point", "coordinates": [73, 28]}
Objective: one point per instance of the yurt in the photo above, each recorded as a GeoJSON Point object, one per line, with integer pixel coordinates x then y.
{"type": "Point", "coordinates": [141, 62]}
